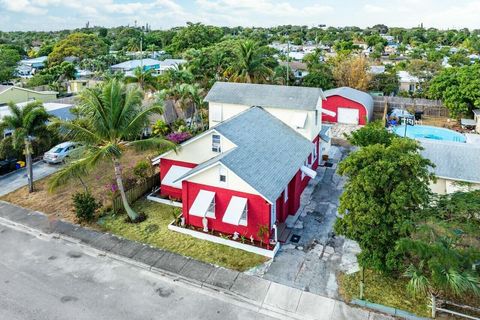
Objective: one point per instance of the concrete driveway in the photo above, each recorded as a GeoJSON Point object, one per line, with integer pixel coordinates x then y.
{"type": "Point", "coordinates": [17, 179]}
{"type": "Point", "coordinates": [311, 263]}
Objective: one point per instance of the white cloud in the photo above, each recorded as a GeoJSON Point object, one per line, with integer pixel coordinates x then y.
{"type": "Point", "coordinates": [370, 8]}
{"type": "Point", "coordinates": [261, 12]}
{"type": "Point", "coordinates": [22, 6]}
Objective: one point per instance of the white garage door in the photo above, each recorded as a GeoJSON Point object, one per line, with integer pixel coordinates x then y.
{"type": "Point", "coordinates": [348, 116]}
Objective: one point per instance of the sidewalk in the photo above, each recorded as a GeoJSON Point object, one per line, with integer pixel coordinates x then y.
{"type": "Point", "coordinates": [284, 300]}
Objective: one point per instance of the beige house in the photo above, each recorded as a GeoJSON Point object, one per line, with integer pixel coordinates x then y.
{"type": "Point", "coordinates": [17, 94]}
{"type": "Point", "coordinates": [76, 86]}
{"type": "Point", "coordinates": [456, 165]}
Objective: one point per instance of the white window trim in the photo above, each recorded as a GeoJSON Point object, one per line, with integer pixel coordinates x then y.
{"type": "Point", "coordinates": [222, 171]}
{"type": "Point", "coordinates": [285, 194]}
{"type": "Point", "coordinates": [219, 148]}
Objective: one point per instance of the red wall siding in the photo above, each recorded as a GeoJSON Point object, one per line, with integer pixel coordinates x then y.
{"type": "Point", "coordinates": [333, 102]}
{"type": "Point", "coordinates": [165, 165]}
{"type": "Point", "coordinates": [258, 209]}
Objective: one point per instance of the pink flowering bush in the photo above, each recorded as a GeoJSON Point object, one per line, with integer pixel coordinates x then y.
{"type": "Point", "coordinates": [178, 137]}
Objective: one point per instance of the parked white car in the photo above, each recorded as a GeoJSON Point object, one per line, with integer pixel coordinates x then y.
{"type": "Point", "coordinates": [61, 151]}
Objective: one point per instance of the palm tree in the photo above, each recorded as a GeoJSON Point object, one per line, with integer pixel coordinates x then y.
{"type": "Point", "coordinates": [26, 122]}
{"type": "Point", "coordinates": [144, 78]}
{"type": "Point", "coordinates": [248, 66]}
{"type": "Point", "coordinates": [116, 121]}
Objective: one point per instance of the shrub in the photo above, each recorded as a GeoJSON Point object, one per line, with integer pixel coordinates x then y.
{"type": "Point", "coordinates": [160, 128]}
{"type": "Point", "coordinates": [142, 169]}
{"type": "Point", "coordinates": [178, 137]}
{"type": "Point", "coordinates": [85, 206]}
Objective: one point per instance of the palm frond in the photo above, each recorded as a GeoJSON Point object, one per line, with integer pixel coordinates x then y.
{"type": "Point", "coordinates": [157, 143]}
{"type": "Point", "coordinates": [76, 132]}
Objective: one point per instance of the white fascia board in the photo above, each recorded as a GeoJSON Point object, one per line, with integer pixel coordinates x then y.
{"type": "Point", "coordinates": [456, 179]}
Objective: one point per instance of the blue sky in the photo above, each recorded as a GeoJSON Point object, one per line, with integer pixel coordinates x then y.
{"type": "Point", "coordinates": [161, 14]}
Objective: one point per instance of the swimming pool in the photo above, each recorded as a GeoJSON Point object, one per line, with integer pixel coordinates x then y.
{"type": "Point", "coordinates": [429, 132]}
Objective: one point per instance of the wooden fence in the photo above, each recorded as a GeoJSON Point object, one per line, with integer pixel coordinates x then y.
{"type": "Point", "coordinates": [430, 108]}
{"type": "Point", "coordinates": [136, 192]}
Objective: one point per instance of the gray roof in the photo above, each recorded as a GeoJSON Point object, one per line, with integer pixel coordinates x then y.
{"type": "Point", "coordinates": [355, 95]}
{"type": "Point", "coordinates": [453, 160]}
{"type": "Point", "coordinates": [268, 154]}
{"type": "Point", "coordinates": [324, 132]}
{"type": "Point", "coordinates": [265, 95]}
{"type": "Point", "coordinates": [476, 112]}
{"type": "Point", "coordinates": [132, 64]}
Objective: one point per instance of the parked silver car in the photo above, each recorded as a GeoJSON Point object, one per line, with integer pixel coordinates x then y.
{"type": "Point", "coordinates": [61, 151]}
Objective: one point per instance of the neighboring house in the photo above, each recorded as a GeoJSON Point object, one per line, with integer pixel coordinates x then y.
{"type": "Point", "coordinates": [476, 117]}
{"type": "Point", "coordinates": [17, 94]}
{"type": "Point", "coordinates": [299, 69]}
{"type": "Point", "coordinates": [348, 106]}
{"type": "Point", "coordinates": [77, 86]}
{"type": "Point", "coordinates": [27, 68]}
{"type": "Point", "coordinates": [249, 169]}
{"type": "Point", "coordinates": [408, 82]}
{"type": "Point", "coordinates": [158, 66]}
{"type": "Point", "coordinates": [456, 165]}
{"type": "Point", "coordinates": [59, 110]}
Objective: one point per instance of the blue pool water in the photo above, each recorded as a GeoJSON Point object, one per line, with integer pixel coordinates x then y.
{"type": "Point", "coordinates": [429, 132]}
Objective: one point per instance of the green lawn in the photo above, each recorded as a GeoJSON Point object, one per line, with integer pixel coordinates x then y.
{"type": "Point", "coordinates": [384, 290]}
{"type": "Point", "coordinates": [154, 231]}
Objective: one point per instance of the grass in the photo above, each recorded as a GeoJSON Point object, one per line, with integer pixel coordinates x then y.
{"type": "Point", "coordinates": [154, 231]}
{"type": "Point", "coordinates": [59, 203]}
{"type": "Point", "coordinates": [384, 290]}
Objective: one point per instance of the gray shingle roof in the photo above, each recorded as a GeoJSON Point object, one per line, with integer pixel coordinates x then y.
{"type": "Point", "coordinates": [268, 154]}
{"type": "Point", "coordinates": [453, 160]}
{"type": "Point", "coordinates": [265, 95]}
{"type": "Point", "coordinates": [355, 95]}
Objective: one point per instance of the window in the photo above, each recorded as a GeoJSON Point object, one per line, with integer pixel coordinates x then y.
{"type": "Point", "coordinates": [211, 209]}
{"type": "Point", "coordinates": [243, 218]}
{"type": "Point", "coordinates": [216, 113]}
{"type": "Point", "coordinates": [222, 174]}
{"type": "Point", "coordinates": [216, 141]}
{"type": "Point", "coordinates": [285, 194]}
{"type": "Point", "coordinates": [316, 117]}
{"type": "Point", "coordinates": [314, 152]}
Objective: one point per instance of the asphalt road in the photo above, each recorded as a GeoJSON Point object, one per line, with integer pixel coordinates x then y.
{"type": "Point", "coordinates": [44, 278]}
{"type": "Point", "coordinates": [17, 179]}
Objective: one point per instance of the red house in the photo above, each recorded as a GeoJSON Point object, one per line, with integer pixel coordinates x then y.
{"type": "Point", "coordinates": [246, 173]}
{"type": "Point", "coordinates": [347, 105]}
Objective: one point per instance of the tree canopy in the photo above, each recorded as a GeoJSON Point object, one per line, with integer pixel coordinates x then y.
{"type": "Point", "coordinates": [386, 185]}
{"type": "Point", "coordinates": [79, 45]}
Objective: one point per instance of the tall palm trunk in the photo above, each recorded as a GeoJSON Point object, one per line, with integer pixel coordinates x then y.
{"type": "Point", "coordinates": [118, 176]}
{"type": "Point", "coordinates": [28, 160]}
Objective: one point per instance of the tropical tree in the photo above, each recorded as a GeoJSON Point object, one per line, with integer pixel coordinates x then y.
{"type": "Point", "coordinates": [116, 121]}
{"type": "Point", "coordinates": [352, 72]}
{"type": "Point", "coordinates": [26, 123]}
{"type": "Point", "coordinates": [248, 65]}
{"type": "Point", "coordinates": [144, 78]}
{"type": "Point", "coordinates": [386, 185]}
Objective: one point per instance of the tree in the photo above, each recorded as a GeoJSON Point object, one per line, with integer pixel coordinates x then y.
{"type": "Point", "coordinates": [319, 79]}
{"type": "Point", "coordinates": [439, 257]}
{"type": "Point", "coordinates": [80, 45]}
{"type": "Point", "coordinates": [249, 65]}
{"type": "Point", "coordinates": [386, 82]}
{"type": "Point", "coordinates": [27, 122]}
{"type": "Point", "coordinates": [8, 61]}
{"type": "Point", "coordinates": [144, 78]}
{"type": "Point", "coordinates": [386, 185]}
{"type": "Point", "coordinates": [116, 121]}
{"type": "Point", "coordinates": [458, 88]}
{"type": "Point", "coordinates": [196, 36]}
{"type": "Point", "coordinates": [372, 133]}
{"type": "Point", "coordinates": [352, 72]}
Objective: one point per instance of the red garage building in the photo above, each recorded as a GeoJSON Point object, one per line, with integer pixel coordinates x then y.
{"type": "Point", "coordinates": [347, 105]}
